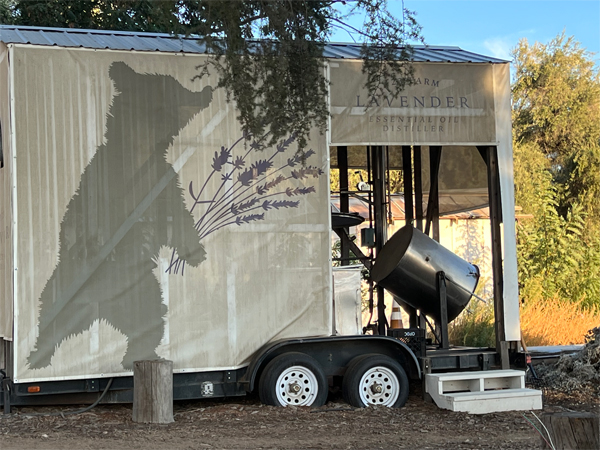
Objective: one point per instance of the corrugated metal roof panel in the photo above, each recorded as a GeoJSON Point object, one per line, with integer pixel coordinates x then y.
{"type": "Point", "coordinates": [192, 46]}
{"type": "Point", "coordinates": [124, 40]}
{"type": "Point", "coordinates": [342, 51]}
{"type": "Point", "coordinates": [172, 45]}
{"type": "Point", "coordinates": [432, 55]}
{"type": "Point", "coordinates": [86, 40]}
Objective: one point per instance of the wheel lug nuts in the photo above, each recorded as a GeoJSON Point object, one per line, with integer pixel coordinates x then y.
{"type": "Point", "coordinates": [376, 388]}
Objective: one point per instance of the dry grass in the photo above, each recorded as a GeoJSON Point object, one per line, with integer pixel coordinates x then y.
{"type": "Point", "coordinates": [557, 322]}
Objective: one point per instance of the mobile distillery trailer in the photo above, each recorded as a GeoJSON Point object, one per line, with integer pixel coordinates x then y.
{"type": "Point", "coordinates": [139, 222]}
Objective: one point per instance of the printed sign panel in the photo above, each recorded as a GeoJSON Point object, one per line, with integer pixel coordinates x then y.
{"type": "Point", "coordinates": [448, 104]}
{"type": "Point", "coordinates": [149, 226]}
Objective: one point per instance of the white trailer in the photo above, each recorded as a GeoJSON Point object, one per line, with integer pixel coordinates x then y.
{"type": "Point", "coordinates": [139, 222]}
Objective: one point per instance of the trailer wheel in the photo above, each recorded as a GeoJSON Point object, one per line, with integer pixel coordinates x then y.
{"type": "Point", "coordinates": [293, 379]}
{"type": "Point", "coordinates": [375, 379]}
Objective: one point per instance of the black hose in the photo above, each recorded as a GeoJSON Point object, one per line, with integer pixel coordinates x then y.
{"type": "Point", "coordinates": [79, 411]}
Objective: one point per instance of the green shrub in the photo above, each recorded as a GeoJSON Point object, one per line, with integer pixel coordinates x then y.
{"type": "Point", "coordinates": [474, 327]}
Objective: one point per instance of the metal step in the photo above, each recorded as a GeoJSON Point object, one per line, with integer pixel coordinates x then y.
{"type": "Point", "coordinates": [483, 391]}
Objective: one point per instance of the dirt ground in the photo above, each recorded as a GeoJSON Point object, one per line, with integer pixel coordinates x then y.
{"type": "Point", "coordinates": [245, 423]}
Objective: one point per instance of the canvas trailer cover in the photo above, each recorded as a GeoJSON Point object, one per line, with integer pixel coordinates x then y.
{"type": "Point", "coordinates": [139, 221]}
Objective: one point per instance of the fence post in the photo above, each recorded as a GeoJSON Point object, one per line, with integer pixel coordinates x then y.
{"type": "Point", "coordinates": [153, 391]}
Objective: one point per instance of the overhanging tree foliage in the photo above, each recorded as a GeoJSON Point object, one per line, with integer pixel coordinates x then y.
{"type": "Point", "coordinates": [268, 53]}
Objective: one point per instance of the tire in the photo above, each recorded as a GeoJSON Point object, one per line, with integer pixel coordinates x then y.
{"type": "Point", "coordinates": [375, 379]}
{"type": "Point", "coordinates": [293, 379]}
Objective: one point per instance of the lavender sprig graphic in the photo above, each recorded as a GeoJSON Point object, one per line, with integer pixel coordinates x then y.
{"type": "Point", "coordinates": [260, 190]}
{"type": "Point", "coordinates": [218, 162]}
{"type": "Point", "coordinates": [233, 191]}
{"type": "Point", "coordinates": [256, 170]}
{"type": "Point", "coordinates": [221, 159]}
{"type": "Point", "coordinates": [255, 145]}
{"type": "Point", "coordinates": [266, 206]}
{"type": "Point", "coordinates": [228, 196]}
{"type": "Point", "coordinates": [252, 188]}
{"type": "Point", "coordinates": [176, 264]}
{"type": "Point", "coordinates": [237, 165]}
{"type": "Point", "coordinates": [299, 191]}
{"type": "Point", "coordinates": [222, 212]}
{"type": "Point", "coordinates": [241, 204]}
{"type": "Point", "coordinates": [250, 218]}
{"type": "Point", "coordinates": [239, 220]}
{"type": "Point", "coordinates": [230, 212]}
{"type": "Point", "coordinates": [303, 173]}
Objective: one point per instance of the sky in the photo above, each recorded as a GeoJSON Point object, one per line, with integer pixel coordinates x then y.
{"type": "Point", "coordinates": [494, 27]}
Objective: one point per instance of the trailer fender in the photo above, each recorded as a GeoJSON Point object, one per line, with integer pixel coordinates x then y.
{"type": "Point", "coordinates": [333, 353]}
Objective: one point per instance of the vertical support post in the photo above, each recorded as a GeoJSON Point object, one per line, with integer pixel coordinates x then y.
{"type": "Point", "coordinates": [419, 208]}
{"type": "Point", "coordinates": [6, 387]}
{"type": "Point", "coordinates": [390, 215]}
{"type": "Point", "coordinates": [370, 198]}
{"type": "Point", "coordinates": [153, 391]}
{"type": "Point", "coordinates": [490, 155]}
{"type": "Point", "coordinates": [425, 369]}
{"type": "Point", "coordinates": [412, 315]}
{"type": "Point", "coordinates": [6, 382]}
{"type": "Point", "coordinates": [433, 204]}
{"type": "Point", "coordinates": [379, 200]}
{"type": "Point", "coordinates": [407, 174]}
{"type": "Point", "coordinates": [418, 188]}
{"type": "Point", "coordinates": [342, 157]}
{"type": "Point", "coordinates": [408, 184]}
{"type": "Point", "coordinates": [422, 320]}
{"type": "Point", "coordinates": [441, 288]}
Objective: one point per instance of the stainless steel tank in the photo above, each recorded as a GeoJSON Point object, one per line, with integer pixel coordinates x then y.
{"type": "Point", "coordinates": [408, 264]}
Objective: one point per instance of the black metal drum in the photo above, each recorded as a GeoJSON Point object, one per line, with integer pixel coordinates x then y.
{"type": "Point", "coordinates": [408, 264]}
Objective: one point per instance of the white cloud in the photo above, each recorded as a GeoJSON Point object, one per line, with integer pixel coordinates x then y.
{"type": "Point", "coordinates": [501, 46]}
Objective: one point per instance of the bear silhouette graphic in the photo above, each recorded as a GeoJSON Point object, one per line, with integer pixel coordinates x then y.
{"type": "Point", "coordinates": [128, 205]}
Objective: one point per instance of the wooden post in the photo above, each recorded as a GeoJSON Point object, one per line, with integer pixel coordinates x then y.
{"type": "Point", "coordinates": [418, 188]}
{"type": "Point", "coordinates": [153, 391]}
{"type": "Point", "coordinates": [342, 162]}
{"type": "Point", "coordinates": [573, 430]}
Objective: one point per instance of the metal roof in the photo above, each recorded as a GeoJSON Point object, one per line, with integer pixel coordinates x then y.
{"type": "Point", "coordinates": [156, 42]}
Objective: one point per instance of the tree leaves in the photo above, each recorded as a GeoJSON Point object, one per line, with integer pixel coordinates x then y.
{"type": "Point", "coordinates": [127, 15]}
{"type": "Point", "coordinates": [268, 53]}
{"type": "Point", "coordinates": [556, 107]}
{"type": "Point", "coordinates": [556, 127]}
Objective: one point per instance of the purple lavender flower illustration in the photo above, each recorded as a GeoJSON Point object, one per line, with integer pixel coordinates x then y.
{"type": "Point", "coordinates": [253, 190]}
